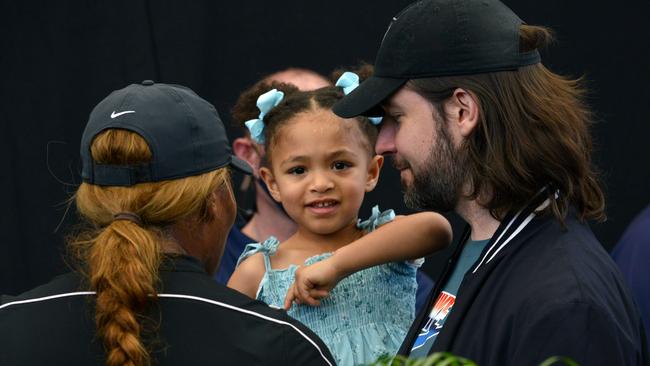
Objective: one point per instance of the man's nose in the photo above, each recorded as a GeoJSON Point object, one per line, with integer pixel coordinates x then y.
{"type": "Point", "coordinates": [386, 139]}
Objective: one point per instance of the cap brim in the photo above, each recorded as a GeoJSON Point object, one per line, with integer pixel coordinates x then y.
{"type": "Point", "coordinates": [365, 100]}
{"type": "Point", "coordinates": [240, 165]}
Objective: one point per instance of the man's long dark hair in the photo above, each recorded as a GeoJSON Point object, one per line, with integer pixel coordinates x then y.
{"type": "Point", "coordinates": [533, 130]}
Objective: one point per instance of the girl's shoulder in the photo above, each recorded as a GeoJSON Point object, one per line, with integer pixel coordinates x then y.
{"type": "Point", "coordinates": [248, 274]}
{"type": "Point", "coordinates": [252, 266]}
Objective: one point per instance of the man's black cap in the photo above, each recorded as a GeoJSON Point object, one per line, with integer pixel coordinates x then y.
{"type": "Point", "coordinates": [183, 131]}
{"type": "Point", "coordinates": [433, 38]}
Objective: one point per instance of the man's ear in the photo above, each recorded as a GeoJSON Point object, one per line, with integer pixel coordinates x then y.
{"type": "Point", "coordinates": [373, 172]}
{"type": "Point", "coordinates": [244, 148]}
{"type": "Point", "coordinates": [462, 110]}
{"type": "Point", "coordinates": [271, 183]}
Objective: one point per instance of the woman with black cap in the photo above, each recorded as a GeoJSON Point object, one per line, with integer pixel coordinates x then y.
{"type": "Point", "coordinates": [157, 196]}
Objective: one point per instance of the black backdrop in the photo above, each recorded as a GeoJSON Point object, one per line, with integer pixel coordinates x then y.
{"type": "Point", "coordinates": [58, 59]}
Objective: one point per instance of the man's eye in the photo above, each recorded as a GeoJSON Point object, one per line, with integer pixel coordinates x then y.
{"type": "Point", "coordinates": [340, 165]}
{"type": "Point", "coordinates": [297, 170]}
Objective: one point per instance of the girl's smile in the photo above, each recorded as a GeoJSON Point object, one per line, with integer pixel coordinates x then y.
{"type": "Point", "coordinates": [323, 207]}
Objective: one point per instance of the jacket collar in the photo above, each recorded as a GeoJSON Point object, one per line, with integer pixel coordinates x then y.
{"type": "Point", "coordinates": [512, 225]}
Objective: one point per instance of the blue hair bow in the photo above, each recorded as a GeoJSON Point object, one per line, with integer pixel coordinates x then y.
{"type": "Point", "coordinates": [350, 81]}
{"type": "Point", "coordinates": [265, 103]}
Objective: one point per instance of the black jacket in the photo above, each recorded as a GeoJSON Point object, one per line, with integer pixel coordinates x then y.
{"type": "Point", "coordinates": [200, 323]}
{"type": "Point", "coordinates": [545, 292]}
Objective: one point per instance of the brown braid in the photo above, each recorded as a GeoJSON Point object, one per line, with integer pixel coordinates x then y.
{"type": "Point", "coordinates": [122, 257]}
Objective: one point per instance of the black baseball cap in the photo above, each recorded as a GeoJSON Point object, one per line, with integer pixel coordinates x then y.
{"type": "Point", "coordinates": [432, 38]}
{"type": "Point", "coordinates": [183, 131]}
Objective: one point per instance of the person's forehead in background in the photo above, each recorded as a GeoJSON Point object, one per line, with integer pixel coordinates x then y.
{"type": "Point", "coordinates": [303, 79]}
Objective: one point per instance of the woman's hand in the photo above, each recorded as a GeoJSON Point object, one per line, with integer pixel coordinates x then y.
{"type": "Point", "coordinates": [313, 283]}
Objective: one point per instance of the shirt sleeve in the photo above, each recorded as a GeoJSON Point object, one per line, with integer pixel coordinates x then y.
{"type": "Point", "coordinates": [582, 332]}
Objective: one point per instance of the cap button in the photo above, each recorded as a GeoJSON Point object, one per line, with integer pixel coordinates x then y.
{"type": "Point", "coordinates": [148, 82]}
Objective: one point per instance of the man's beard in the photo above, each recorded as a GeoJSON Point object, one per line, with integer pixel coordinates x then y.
{"type": "Point", "coordinates": [437, 183]}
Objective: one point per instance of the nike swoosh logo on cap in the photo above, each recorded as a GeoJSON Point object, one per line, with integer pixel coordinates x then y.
{"type": "Point", "coordinates": [113, 115]}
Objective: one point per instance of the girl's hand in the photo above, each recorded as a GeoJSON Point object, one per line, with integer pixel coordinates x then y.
{"type": "Point", "coordinates": [312, 283]}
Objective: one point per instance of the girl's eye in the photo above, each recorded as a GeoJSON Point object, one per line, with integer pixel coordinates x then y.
{"type": "Point", "coordinates": [297, 170]}
{"type": "Point", "coordinates": [340, 165]}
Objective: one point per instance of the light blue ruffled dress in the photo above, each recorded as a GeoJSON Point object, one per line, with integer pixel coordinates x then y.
{"type": "Point", "coordinates": [367, 314]}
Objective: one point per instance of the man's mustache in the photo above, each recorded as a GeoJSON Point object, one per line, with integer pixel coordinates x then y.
{"type": "Point", "coordinates": [399, 163]}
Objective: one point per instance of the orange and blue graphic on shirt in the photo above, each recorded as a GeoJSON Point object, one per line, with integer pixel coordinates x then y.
{"type": "Point", "coordinates": [436, 320]}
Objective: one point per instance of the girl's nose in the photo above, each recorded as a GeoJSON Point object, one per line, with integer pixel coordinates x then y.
{"type": "Point", "coordinates": [321, 182]}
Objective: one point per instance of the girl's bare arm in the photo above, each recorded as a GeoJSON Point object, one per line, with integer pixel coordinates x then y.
{"type": "Point", "coordinates": [406, 238]}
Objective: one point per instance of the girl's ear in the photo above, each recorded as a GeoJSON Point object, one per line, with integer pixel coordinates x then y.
{"type": "Point", "coordinates": [271, 183]}
{"type": "Point", "coordinates": [373, 172]}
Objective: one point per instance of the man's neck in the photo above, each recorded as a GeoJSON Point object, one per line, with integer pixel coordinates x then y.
{"type": "Point", "coordinates": [268, 220]}
{"type": "Point", "coordinates": [479, 219]}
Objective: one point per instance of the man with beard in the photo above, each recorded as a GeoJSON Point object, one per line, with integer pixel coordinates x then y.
{"type": "Point", "coordinates": [476, 124]}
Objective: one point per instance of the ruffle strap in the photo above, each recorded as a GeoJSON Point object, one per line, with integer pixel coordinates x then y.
{"type": "Point", "coordinates": [376, 219]}
{"type": "Point", "coordinates": [268, 247]}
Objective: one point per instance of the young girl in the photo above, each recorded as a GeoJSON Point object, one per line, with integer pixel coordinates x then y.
{"type": "Point", "coordinates": [319, 167]}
